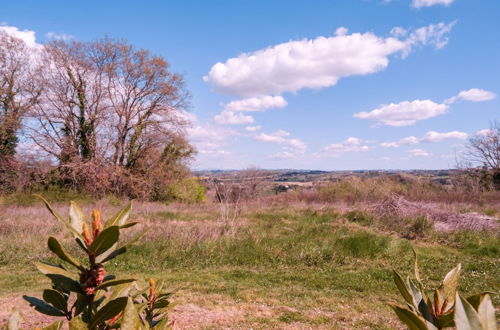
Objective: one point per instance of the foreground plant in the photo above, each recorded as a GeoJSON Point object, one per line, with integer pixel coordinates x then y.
{"type": "Point", "coordinates": [86, 295]}
{"type": "Point", "coordinates": [447, 308]}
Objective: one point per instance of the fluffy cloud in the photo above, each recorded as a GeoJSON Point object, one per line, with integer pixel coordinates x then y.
{"type": "Point", "coordinates": [404, 141]}
{"type": "Point", "coordinates": [430, 136]}
{"type": "Point", "coordinates": [253, 128]}
{"type": "Point", "coordinates": [292, 148]}
{"type": "Point", "coordinates": [433, 34]}
{"type": "Point", "coordinates": [437, 137]}
{"type": "Point", "coordinates": [27, 36]}
{"type": "Point", "coordinates": [405, 113]}
{"type": "Point", "coordinates": [59, 36]}
{"type": "Point", "coordinates": [209, 140]}
{"type": "Point", "coordinates": [260, 103]}
{"type": "Point", "coordinates": [351, 144]}
{"type": "Point", "coordinates": [429, 3]}
{"type": "Point", "coordinates": [419, 153]}
{"type": "Point", "coordinates": [473, 95]}
{"type": "Point", "coordinates": [233, 118]}
{"type": "Point", "coordinates": [316, 63]}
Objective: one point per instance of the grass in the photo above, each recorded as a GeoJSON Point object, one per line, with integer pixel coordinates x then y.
{"type": "Point", "coordinates": [275, 267]}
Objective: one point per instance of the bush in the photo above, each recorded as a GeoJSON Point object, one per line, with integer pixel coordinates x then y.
{"type": "Point", "coordinates": [84, 293]}
{"type": "Point", "coordinates": [187, 190]}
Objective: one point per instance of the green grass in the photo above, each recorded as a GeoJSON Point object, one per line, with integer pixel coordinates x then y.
{"type": "Point", "coordinates": [307, 267]}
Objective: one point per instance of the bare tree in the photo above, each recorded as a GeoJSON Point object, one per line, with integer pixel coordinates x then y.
{"type": "Point", "coordinates": [112, 113]}
{"type": "Point", "coordinates": [18, 91]}
{"type": "Point", "coordinates": [484, 149]}
{"type": "Point", "coordinates": [18, 94]}
{"type": "Point", "coordinates": [481, 163]}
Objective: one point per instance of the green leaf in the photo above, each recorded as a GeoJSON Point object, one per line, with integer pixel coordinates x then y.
{"type": "Point", "coordinates": [54, 326]}
{"type": "Point", "coordinates": [120, 218]}
{"type": "Point", "coordinates": [162, 324]}
{"type": "Point", "coordinates": [403, 288]}
{"type": "Point", "coordinates": [59, 250]}
{"type": "Point", "coordinates": [80, 304]}
{"type": "Point", "coordinates": [130, 318]}
{"type": "Point", "coordinates": [108, 311]}
{"type": "Point", "coordinates": [446, 320]}
{"type": "Point", "coordinates": [77, 323]}
{"type": "Point", "coordinates": [42, 307]}
{"type": "Point", "coordinates": [450, 285]}
{"type": "Point", "coordinates": [107, 284]}
{"type": "Point", "coordinates": [65, 283]}
{"type": "Point", "coordinates": [466, 318]}
{"type": "Point", "coordinates": [123, 248]}
{"type": "Point", "coordinates": [105, 240]}
{"type": "Point", "coordinates": [476, 299]}
{"type": "Point", "coordinates": [161, 304]}
{"type": "Point", "coordinates": [58, 217]}
{"type": "Point", "coordinates": [51, 269]}
{"type": "Point", "coordinates": [486, 313]}
{"type": "Point", "coordinates": [128, 225]}
{"type": "Point", "coordinates": [56, 299]}
{"type": "Point", "coordinates": [76, 217]}
{"type": "Point", "coordinates": [412, 320]}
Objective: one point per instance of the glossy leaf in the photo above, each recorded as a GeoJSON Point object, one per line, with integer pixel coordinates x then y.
{"type": "Point", "coordinates": [412, 321]}
{"type": "Point", "coordinates": [466, 318]}
{"type": "Point", "coordinates": [107, 284]}
{"type": "Point", "coordinates": [130, 319]}
{"type": "Point", "coordinates": [120, 218]}
{"type": "Point", "coordinates": [105, 240]}
{"type": "Point", "coordinates": [58, 217]}
{"type": "Point", "coordinates": [42, 307]}
{"type": "Point", "coordinates": [59, 250]}
{"type": "Point", "coordinates": [486, 312]}
{"type": "Point", "coordinates": [76, 217]}
{"type": "Point", "coordinates": [108, 311]}
{"type": "Point", "coordinates": [56, 299]}
{"type": "Point", "coordinates": [450, 285]}
{"type": "Point", "coordinates": [402, 287]}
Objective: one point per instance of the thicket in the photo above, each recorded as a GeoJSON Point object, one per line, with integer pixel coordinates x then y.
{"type": "Point", "coordinates": [99, 117]}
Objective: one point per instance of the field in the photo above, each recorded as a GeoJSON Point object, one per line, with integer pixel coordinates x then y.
{"type": "Point", "coordinates": [317, 259]}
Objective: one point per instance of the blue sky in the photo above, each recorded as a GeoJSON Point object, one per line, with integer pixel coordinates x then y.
{"type": "Point", "coordinates": [332, 85]}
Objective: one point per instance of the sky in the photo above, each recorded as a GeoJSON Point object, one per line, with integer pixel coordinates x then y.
{"type": "Point", "coordinates": [324, 85]}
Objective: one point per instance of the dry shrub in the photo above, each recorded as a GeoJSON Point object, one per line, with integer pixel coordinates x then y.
{"type": "Point", "coordinates": [397, 208]}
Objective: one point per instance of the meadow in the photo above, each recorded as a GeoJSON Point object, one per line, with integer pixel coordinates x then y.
{"type": "Point", "coordinates": [320, 258]}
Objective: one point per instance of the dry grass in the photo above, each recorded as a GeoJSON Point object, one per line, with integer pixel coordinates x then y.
{"type": "Point", "coordinates": [285, 262]}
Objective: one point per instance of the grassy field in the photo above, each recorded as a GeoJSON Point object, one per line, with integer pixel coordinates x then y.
{"type": "Point", "coordinates": [294, 265]}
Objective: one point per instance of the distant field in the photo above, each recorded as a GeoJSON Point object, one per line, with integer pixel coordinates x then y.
{"type": "Point", "coordinates": [278, 264]}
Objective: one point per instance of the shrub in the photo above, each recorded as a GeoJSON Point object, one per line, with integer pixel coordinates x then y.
{"type": "Point", "coordinates": [446, 309]}
{"type": "Point", "coordinates": [187, 190]}
{"type": "Point", "coordinates": [85, 294]}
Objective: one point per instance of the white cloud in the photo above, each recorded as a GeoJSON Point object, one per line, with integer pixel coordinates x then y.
{"type": "Point", "coordinates": [232, 118]}
{"type": "Point", "coordinates": [253, 128]}
{"type": "Point", "coordinates": [27, 36]}
{"type": "Point", "coordinates": [433, 34]}
{"type": "Point", "coordinates": [351, 144]}
{"type": "Point", "coordinates": [59, 36]}
{"type": "Point", "coordinates": [405, 113]}
{"type": "Point", "coordinates": [430, 136]}
{"type": "Point", "coordinates": [292, 148]}
{"type": "Point", "coordinates": [429, 3]}
{"type": "Point", "coordinates": [315, 63]}
{"type": "Point", "coordinates": [260, 103]}
{"type": "Point", "coordinates": [419, 153]}
{"type": "Point", "coordinates": [341, 31]}
{"type": "Point", "coordinates": [404, 141]}
{"type": "Point", "coordinates": [209, 140]}
{"type": "Point", "coordinates": [473, 95]}
{"type": "Point", "coordinates": [399, 31]}
{"type": "Point", "coordinates": [484, 132]}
